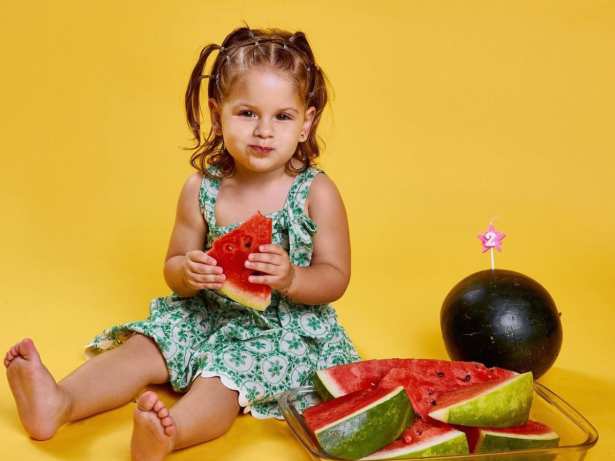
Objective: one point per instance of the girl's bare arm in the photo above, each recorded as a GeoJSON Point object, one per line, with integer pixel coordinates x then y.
{"type": "Point", "coordinates": [187, 269]}
{"type": "Point", "coordinates": [327, 278]}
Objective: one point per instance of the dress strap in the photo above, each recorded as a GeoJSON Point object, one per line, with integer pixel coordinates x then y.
{"type": "Point", "coordinates": [207, 197]}
{"type": "Point", "coordinates": [301, 229]}
{"type": "Point", "coordinates": [300, 189]}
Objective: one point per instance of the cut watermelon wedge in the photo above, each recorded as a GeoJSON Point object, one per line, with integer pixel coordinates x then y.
{"type": "Point", "coordinates": [421, 440]}
{"type": "Point", "coordinates": [504, 403]}
{"type": "Point", "coordinates": [231, 252]}
{"type": "Point", "coordinates": [530, 435]}
{"type": "Point", "coordinates": [357, 424]}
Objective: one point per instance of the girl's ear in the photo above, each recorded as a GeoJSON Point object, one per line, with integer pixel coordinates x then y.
{"type": "Point", "coordinates": [307, 124]}
{"type": "Point", "coordinates": [216, 119]}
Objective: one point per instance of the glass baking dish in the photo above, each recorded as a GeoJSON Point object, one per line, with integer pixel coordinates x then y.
{"type": "Point", "coordinates": [577, 435]}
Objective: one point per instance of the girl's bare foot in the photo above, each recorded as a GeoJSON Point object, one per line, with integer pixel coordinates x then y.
{"type": "Point", "coordinates": [153, 431]}
{"type": "Point", "coordinates": [42, 406]}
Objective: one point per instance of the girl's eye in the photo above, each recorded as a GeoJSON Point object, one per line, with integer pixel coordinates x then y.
{"type": "Point", "coordinates": [247, 113]}
{"type": "Point", "coordinates": [284, 117]}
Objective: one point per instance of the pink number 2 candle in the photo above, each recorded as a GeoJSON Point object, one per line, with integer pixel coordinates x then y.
{"type": "Point", "coordinates": [491, 239]}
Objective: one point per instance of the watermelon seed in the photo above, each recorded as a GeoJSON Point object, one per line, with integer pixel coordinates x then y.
{"type": "Point", "coordinates": [433, 402]}
{"type": "Point", "coordinates": [248, 245]}
{"type": "Point", "coordinates": [440, 374]}
{"type": "Point", "coordinates": [467, 378]}
{"type": "Point", "coordinates": [430, 393]}
{"type": "Point", "coordinates": [419, 416]}
{"type": "Point", "coordinates": [229, 248]}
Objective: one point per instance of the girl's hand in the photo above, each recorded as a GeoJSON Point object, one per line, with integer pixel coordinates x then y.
{"type": "Point", "coordinates": [199, 271]}
{"type": "Point", "coordinates": [274, 263]}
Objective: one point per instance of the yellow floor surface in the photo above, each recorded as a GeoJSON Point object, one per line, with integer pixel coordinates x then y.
{"type": "Point", "coordinates": [446, 114]}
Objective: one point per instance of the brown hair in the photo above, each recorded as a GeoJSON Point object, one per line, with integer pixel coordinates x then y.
{"type": "Point", "coordinates": [242, 50]}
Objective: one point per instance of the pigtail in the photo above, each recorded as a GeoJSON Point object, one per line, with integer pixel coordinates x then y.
{"type": "Point", "coordinates": [193, 93]}
{"type": "Point", "coordinates": [317, 96]}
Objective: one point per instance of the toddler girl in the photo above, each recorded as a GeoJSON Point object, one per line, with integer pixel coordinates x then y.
{"type": "Point", "coordinates": [265, 97]}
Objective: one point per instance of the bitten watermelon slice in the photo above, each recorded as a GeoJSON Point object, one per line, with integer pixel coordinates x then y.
{"type": "Point", "coordinates": [530, 435]}
{"type": "Point", "coordinates": [357, 424]}
{"type": "Point", "coordinates": [231, 252]}
{"type": "Point", "coordinates": [503, 403]}
{"type": "Point", "coordinates": [423, 439]}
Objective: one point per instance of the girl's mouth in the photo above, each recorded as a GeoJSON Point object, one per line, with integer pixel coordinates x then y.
{"type": "Point", "coordinates": [261, 150]}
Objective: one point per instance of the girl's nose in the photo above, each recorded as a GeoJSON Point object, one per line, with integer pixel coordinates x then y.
{"type": "Point", "coordinates": [264, 129]}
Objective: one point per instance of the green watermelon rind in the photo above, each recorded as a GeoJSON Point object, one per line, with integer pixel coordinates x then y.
{"type": "Point", "coordinates": [368, 429]}
{"type": "Point", "coordinates": [505, 405]}
{"type": "Point", "coordinates": [451, 443]}
{"type": "Point", "coordinates": [243, 297]}
{"type": "Point", "coordinates": [490, 442]}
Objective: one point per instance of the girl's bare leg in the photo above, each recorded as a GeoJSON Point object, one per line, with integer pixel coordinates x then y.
{"type": "Point", "coordinates": [204, 413]}
{"type": "Point", "coordinates": [105, 382]}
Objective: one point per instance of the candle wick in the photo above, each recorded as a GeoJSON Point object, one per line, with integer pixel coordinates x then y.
{"type": "Point", "coordinates": [493, 219]}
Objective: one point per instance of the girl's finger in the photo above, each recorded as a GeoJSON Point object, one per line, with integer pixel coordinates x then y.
{"type": "Point", "coordinates": [199, 268]}
{"type": "Point", "coordinates": [261, 279]}
{"type": "Point", "coordinates": [265, 258]}
{"type": "Point", "coordinates": [262, 267]}
{"type": "Point", "coordinates": [271, 248]}
{"type": "Point", "coordinates": [201, 257]}
{"type": "Point", "coordinates": [204, 286]}
{"type": "Point", "coordinates": [208, 278]}
{"type": "Point", "coordinates": [208, 286]}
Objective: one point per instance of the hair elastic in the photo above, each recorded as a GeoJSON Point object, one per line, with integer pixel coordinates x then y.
{"type": "Point", "coordinates": [275, 41]}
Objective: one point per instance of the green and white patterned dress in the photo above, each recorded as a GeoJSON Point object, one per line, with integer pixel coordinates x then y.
{"type": "Point", "coordinates": [258, 354]}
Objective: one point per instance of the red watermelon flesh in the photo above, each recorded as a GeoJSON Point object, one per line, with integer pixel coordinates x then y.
{"type": "Point", "coordinates": [231, 252]}
{"type": "Point", "coordinates": [427, 390]}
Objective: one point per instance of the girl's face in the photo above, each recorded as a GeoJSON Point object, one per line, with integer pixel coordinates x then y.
{"type": "Point", "coordinates": [262, 121]}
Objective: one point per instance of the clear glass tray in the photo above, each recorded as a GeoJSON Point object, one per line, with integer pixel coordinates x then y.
{"type": "Point", "coordinates": [577, 435]}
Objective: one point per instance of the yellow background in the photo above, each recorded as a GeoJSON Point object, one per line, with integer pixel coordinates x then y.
{"type": "Point", "coordinates": [446, 114]}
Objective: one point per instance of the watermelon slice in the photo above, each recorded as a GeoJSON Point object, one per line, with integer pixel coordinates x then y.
{"type": "Point", "coordinates": [503, 403]}
{"type": "Point", "coordinates": [425, 380]}
{"type": "Point", "coordinates": [423, 439]}
{"type": "Point", "coordinates": [530, 435]}
{"type": "Point", "coordinates": [231, 252]}
{"type": "Point", "coordinates": [357, 424]}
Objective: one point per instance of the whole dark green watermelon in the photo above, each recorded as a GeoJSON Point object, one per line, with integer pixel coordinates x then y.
{"type": "Point", "coordinates": [502, 318]}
